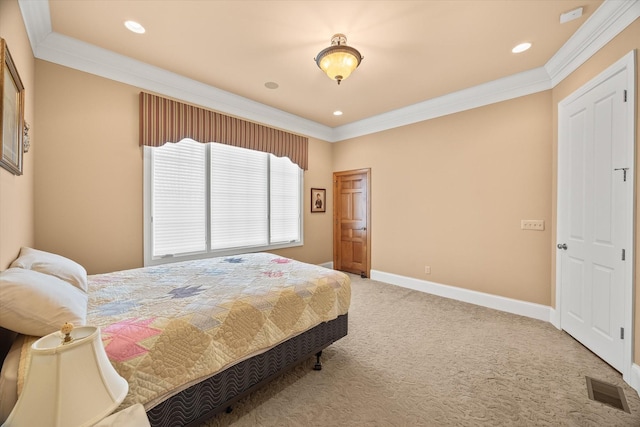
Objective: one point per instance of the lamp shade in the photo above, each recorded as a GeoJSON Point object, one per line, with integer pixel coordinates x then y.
{"type": "Point", "coordinates": [68, 385]}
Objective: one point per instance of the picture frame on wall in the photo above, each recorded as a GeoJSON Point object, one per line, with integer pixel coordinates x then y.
{"type": "Point", "coordinates": [318, 200]}
{"type": "Point", "coordinates": [11, 113]}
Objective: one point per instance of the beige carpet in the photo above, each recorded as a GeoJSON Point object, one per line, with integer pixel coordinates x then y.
{"type": "Point", "coordinates": [413, 359]}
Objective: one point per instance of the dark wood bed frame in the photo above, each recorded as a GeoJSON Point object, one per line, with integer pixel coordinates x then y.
{"type": "Point", "coordinates": [219, 392]}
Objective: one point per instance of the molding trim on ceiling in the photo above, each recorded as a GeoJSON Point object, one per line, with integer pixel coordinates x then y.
{"type": "Point", "coordinates": [76, 54]}
{"type": "Point", "coordinates": [609, 20]}
{"type": "Point", "coordinates": [37, 20]}
{"type": "Point", "coordinates": [605, 23]}
{"type": "Point", "coordinates": [514, 86]}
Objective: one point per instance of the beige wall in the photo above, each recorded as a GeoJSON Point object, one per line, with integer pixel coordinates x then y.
{"type": "Point", "coordinates": [89, 180]}
{"type": "Point", "coordinates": [625, 42]}
{"type": "Point", "coordinates": [450, 193]}
{"type": "Point", "coordinates": [16, 192]}
{"type": "Point", "coordinates": [89, 185]}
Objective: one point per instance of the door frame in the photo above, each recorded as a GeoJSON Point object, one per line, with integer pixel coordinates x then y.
{"type": "Point", "coordinates": [626, 63]}
{"type": "Point", "coordinates": [336, 205]}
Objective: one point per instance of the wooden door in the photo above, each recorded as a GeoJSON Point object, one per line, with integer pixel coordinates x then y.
{"type": "Point", "coordinates": [352, 221]}
{"type": "Point", "coordinates": [593, 205]}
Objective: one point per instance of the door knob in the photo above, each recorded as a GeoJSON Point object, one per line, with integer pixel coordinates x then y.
{"type": "Point", "coordinates": [562, 246]}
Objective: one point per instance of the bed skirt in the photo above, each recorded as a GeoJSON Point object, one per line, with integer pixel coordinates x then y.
{"type": "Point", "coordinates": [215, 394]}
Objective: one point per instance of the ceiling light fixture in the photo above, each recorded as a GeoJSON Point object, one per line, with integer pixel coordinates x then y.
{"type": "Point", "coordinates": [135, 27]}
{"type": "Point", "coordinates": [521, 47]}
{"type": "Point", "coordinates": [338, 60]}
{"type": "Point", "coordinates": [337, 113]}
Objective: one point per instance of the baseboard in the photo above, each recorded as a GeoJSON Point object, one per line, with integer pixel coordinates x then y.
{"type": "Point", "coordinates": [327, 265]}
{"type": "Point", "coordinates": [554, 317]}
{"type": "Point", "coordinates": [634, 381]}
{"type": "Point", "coordinates": [522, 308]}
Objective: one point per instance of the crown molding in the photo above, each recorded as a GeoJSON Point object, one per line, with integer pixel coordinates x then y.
{"type": "Point", "coordinates": [609, 20]}
{"type": "Point", "coordinates": [503, 89]}
{"type": "Point", "coordinates": [37, 20]}
{"type": "Point", "coordinates": [76, 54]}
{"type": "Point", "coordinates": [603, 25]}
{"type": "Point", "coordinates": [606, 22]}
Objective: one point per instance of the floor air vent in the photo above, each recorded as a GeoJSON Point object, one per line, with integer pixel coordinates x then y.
{"type": "Point", "coordinates": [608, 394]}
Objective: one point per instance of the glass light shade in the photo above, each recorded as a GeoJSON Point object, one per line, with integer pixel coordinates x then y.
{"type": "Point", "coordinates": [339, 64]}
{"type": "Point", "coordinates": [338, 60]}
{"type": "Point", "coordinates": [68, 385]}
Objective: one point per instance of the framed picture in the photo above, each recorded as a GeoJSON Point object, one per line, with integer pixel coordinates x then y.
{"type": "Point", "coordinates": [318, 200]}
{"type": "Point", "coordinates": [11, 113]}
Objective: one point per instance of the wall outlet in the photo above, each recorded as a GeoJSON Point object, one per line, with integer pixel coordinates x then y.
{"type": "Point", "coordinates": [427, 269]}
{"type": "Point", "coordinates": [532, 224]}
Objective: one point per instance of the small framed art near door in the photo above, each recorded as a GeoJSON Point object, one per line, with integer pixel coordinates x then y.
{"type": "Point", "coordinates": [318, 200]}
{"type": "Point", "coordinates": [11, 113]}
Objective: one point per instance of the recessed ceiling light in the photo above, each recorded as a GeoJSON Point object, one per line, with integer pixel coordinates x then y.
{"type": "Point", "coordinates": [521, 47]}
{"type": "Point", "coordinates": [271, 85]}
{"type": "Point", "coordinates": [135, 27]}
{"type": "Point", "coordinates": [337, 113]}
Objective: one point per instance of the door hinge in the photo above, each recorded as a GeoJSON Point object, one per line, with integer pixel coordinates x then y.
{"type": "Point", "coordinates": [625, 95]}
{"type": "Point", "coordinates": [621, 333]}
{"type": "Point", "coordinates": [623, 254]}
{"type": "Point", "coordinates": [624, 173]}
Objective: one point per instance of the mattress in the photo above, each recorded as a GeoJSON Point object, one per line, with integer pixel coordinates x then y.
{"type": "Point", "coordinates": [168, 327]}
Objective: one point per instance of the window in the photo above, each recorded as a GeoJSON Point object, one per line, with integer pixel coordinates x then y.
{"type": "Point", "coordinates": [215, 199]}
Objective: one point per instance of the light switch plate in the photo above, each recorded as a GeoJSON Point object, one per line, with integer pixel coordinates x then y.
{"type": "Point", "coordinates": [532, 224]}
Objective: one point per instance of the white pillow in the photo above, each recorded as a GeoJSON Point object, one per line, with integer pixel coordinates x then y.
{"type": "Point", "coordinates": [38, 304]}
{"type": "Point", "coordinates": [55, 265]}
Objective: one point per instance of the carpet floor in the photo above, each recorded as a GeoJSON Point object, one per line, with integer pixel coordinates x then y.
{"type": "Point", "coordinates": [413, 359]}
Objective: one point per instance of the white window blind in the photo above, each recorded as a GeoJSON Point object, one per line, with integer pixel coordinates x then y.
{"type": "Point", "coordinates": [219, 199]}
{"type": "Point", "coordinates": [239, 197]}
{"type": "Point", "coordinates": [179, 199]}
{"type": "Point", "coordinates": [285, 200]}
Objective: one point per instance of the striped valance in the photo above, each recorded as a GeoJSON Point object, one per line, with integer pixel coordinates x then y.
{"type": "Point", "coordinates": [164, 120]}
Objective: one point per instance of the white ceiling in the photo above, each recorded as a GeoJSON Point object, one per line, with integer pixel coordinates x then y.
{"type": "Point", "coordinates": [421, 58]}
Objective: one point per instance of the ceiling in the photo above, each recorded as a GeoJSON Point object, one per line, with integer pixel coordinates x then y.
{"type": "Point", "coordinates": [413, 51]}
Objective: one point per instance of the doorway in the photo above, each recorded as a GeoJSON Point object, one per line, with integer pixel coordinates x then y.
{"type": "Point", "coordinates": [594, 258]}
{"type": "Point", "coordinates": [352, 221]}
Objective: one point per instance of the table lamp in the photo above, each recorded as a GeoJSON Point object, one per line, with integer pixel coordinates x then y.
{"type": "Point", "coordinates": [70, 382]}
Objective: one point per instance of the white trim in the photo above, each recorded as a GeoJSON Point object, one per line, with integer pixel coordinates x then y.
{"type": "Point", "coordinates": [609, 20]}
{"type": "Point", "coordinates": [146, 207]}
{"type": "Point", "coordinates": [604, 24]}
{"type": "Point", "coordinates": [514, 86]}
{"type": "Point", "coordinates": [522, 308]}
{"type": "Point", "coordinates": [624, 64]}
{"type": "Point", "coordinates": [554, 318]}
{"type": "Point", "coordinates": [76, 54]}
{"type": "Point", "coordinates": [327, 265]}
{"type": "Point", "coordinates": [496, 302]}
{"type": "Point", "coordinates": [634, 381]}
{"type": "Point", "coordinates": [37, 21]}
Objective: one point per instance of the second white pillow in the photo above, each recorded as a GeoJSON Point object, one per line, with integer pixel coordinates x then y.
{"type": "Point", "coordinates": [54, 265]}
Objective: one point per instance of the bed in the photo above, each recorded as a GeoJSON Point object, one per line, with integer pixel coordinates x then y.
{"type": "Point", "coordinates": [193, 337]}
